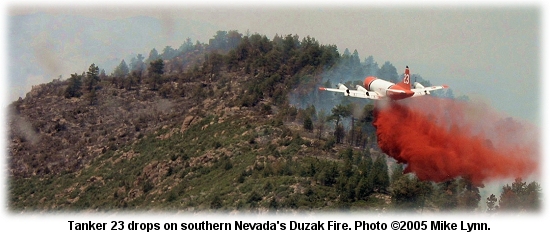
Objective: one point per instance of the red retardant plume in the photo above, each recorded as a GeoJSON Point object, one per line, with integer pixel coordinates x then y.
{"type": "Point", "coordinates": [441, 139]}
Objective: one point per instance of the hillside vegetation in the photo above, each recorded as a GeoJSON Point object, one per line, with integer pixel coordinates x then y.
{"type": "Point", "coordinates": [232, 125]}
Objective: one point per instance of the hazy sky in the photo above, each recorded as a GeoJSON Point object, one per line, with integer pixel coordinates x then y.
{"type": "Point", "coordinates": [489, 53]}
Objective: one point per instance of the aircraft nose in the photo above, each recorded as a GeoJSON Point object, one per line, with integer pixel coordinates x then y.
{"type": "Point", "coordinates": [368, 81]}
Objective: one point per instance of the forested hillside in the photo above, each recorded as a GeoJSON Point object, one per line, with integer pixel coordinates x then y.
{"type": "Point", "coordinates": [235, 124]}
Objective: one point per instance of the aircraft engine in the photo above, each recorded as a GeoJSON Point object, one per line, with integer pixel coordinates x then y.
{"type": "Point", "coordinates": [417, 85]}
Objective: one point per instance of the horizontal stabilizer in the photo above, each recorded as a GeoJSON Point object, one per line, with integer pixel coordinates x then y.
{"type": "Point", "coordinates": [426, 90]}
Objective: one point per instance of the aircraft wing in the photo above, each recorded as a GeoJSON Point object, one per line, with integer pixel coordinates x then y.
{"type": "Point", "coordinates": [359, 93]}
{"type": "Point", "coordinates": [426, 90]}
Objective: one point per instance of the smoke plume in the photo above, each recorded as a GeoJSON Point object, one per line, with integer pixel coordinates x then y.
{"type": "Point", "coordinates": [441, 139]}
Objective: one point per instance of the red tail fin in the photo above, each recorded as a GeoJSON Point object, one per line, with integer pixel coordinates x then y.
{"type": "Point", "coordinates": [406, 83]}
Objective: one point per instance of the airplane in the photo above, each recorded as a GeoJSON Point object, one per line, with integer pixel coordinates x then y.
{"type": "Point", "coordinates": [375, 88]}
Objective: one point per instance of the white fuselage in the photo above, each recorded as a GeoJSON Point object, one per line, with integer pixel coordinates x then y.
{"type": "Point", "coordinates": [380, 86]}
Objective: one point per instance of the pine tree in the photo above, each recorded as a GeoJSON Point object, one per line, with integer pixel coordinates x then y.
{"type": "Point", "coordinates": [121, 70]}
{"type": "Point", "coordinates": [408, 192]}
{"type": "Point", "coordinates": [92, 77]}
{"type": "Point", "coordinates": [491, 201]}
{"type": "Point", "coordinates": [339, 112]}
{"type": "Point", "coordinates": [92, 97]}
{"type": "Point", "coordinates": [388, 72]}
{"type": "Point", "coordinates": [397, 172]}
{"type": "Point", "coordinates": [381, 179]}
{"type": "Point", "coordinates": [153, 56]}
{"type": "Point", "coordinates": [446, 195]}
{"type": "Point", "coordinates": [468, 195]}
{"type": "Point", "coordinates": [321, 122]}
{"type": "Point", "coordinates": [74, 87]}
{"type": "Point", "coordinates": [156, 69]}
{"type": "Point", "coordinates": [308, 124]}
{"type": "Point", "coordinates": [520, 196]}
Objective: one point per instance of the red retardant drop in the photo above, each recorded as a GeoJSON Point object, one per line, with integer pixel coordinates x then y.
{"type": "Point", "coordinates": [441, 139]}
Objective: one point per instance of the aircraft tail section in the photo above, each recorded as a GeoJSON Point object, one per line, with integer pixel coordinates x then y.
{"type": "Point", "coordinates": [406, 82]}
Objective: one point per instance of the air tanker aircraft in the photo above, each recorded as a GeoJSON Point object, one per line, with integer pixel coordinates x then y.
{"type": "Point", "coordinates": [375, 88]}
